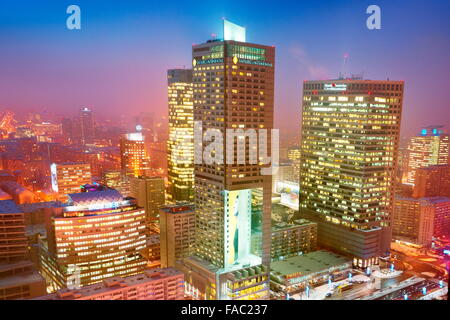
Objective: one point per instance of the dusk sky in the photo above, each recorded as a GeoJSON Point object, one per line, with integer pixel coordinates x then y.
{"type": "Point", "coordinates": [117, 62]}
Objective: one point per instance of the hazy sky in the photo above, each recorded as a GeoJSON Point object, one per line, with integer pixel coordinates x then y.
{"type": "Point", "coordinates": [117, 62]}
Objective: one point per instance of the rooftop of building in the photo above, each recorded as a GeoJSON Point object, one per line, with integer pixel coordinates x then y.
{"type": "Point", "coordinates": [20, 278]}
{"type": "Point", "coordinates": [9, 206]}
{"type": "Point", "coordinates": [309, 263]}
{"type": "Point", "coordinates": [96, 196]}
{"type": "Point", "coordinates": [30, 207]}
{"type": "Point", "coordinates": [433, 200]}
{"type": "Point", "coordinates": [179, 208]}
{"type": "Point", "coordinates": [114, 283]}
{"type": "Point", "coordinates": [292, 225]}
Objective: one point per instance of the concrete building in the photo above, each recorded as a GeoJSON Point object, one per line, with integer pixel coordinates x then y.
{"type": "Point", "coordinates": [180, 145]}
{"type": "Point", "coordinates": [18, 277]}
{"type": "Point", "coordinates": [177, 233]}
{"type": "Point", "coordinates": [350, 138]}
{"type": "Point", "coordinates": [69, 177]}
{"type": "Point", "coordinates": [292, 239]}
{"type": "Point", "coordinates": [87, 126]}
{"type": "Point", "coordinates": [430, 147]}
{"type": "Point", "coordinates": [98, 235]}
{"type": "Point", "coordinates": [418, 220]}
{"type": "Point", "coordinates": [154, 284]}
{"type": "Point", "coordinates": [150, 195]}
{"type": "Point", "coordinates": [432, 181]}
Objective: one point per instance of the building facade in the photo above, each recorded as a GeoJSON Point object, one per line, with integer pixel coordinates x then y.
{"type": "Point", "coordinates": [350, 138]}
{"type": "Point", "coordinates": [154, 284]}
{"type": "Point", "coordinates": [432, 181]}
{"type": "Point", "coordinates": [98, 235]}
{"type": "Point", "coordinates": [180, 145]}
{"type": "Point", "coordinates": [150, 194]}
{"type": "Point", "coordinates": [133, 154]}
{"type": "Point", "coordinates": [177, 233]}
{"type": "Point", "coordinates": [69, 177]}
{"type": "Point", "coordinates": [429, 148]}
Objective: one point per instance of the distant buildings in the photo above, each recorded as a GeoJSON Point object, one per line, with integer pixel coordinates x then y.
{"type": "Point", "coordinates": [18, 277]}
{"type": "Point", "coordinates": [134, 158]}
{"type": "Point", "coordinates": [180, 145]}
{"type": "Point", "coordinates": [155, 284]}
{"type": "Point", "coordinates": [177, 233]}
{"type": "Point", "coordinates": [69, 177]}
{"type": "Point", "coordinates": [117, 179]}
{"type": "Point", "coordinates": [350, 138]}
{"type": "Point", "coordinates": [87, 126]}
{"type": "Point", "coordinates": [97, 236]}
{"type": "Point", "coordinates": [430, 147]}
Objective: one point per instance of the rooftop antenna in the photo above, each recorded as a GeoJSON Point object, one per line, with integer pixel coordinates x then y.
{"type": "Point", "coordinates": [344, 67]}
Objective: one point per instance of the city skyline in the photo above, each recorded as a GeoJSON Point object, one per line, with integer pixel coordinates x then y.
{"type": "Point", "coordinates": [91, 67]}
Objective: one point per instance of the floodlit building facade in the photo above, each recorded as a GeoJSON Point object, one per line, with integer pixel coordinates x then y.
{"type": "Point", "coordinates": [350, 138]}
{"type": "Point", "coordinates": [233, 88]}
{"type": "Point", "coordinates": [429, 148]}
{"type": "Point", "coordinates": [133, 154]}
{"type": "Point", "coordinates": [69, 177]}
{"type": "Point", "coordinates": [98, 235]}
{"type": "Point", "coordinates": [180, 145]}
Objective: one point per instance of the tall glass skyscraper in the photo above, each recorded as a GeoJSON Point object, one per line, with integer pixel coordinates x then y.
{"type": "Point", "coordinates": [180, 145]}
{"type": "Point", "coordinates": [350, 137]}
{"type": "Point", "coordinates": [233, 87]}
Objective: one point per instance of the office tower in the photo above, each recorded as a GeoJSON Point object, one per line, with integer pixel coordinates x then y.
{"type": "Point", "coordinates": [87, 126]}
{"type": "Point", "coordinates": [98, 235]}
{"type": "Point", "coordinates": [350, 137]}
{"type": "Point", "coordinates": [432, 181]}
{"type": "Point", "coordinates": [292, 239]}
{"type": "Point", "coordinates": [177, 233]}
{"type": "Point", "coordinates": [441, 208]}
{"type": "Point", "coordinates": [286, 172]}
{"type": "Point", "coordinates": [429, 148]}
{"type": "Point", "coordinates": [154, 284]}
{"type": "Point", "coordinates": [233, 83]}
{"type": "Point", "coordinates": [180, 145]}
{"type": "Point", "coordinates": [67, 130]}
{"type": "Point", "coordinates": [18, 277]}
{"type": "Point", "coordinates": [133, 154]}
{"type": "Point", "coordinates": [117, 179]}
{"type": "Point", "coordinates": [412, 221]}
{"type": "Point", "coordinates": [68, 178]}
{"type": "Point", "coordinates": [150, 195]}
{"type": "Point", "coordinates": [294, 156]}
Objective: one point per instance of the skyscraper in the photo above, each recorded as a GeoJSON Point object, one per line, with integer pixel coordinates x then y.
{"type": "Point", "coordinates": [180, 145]}
{"type": "Point", "coordinates": [233, 83]}
{"type": "Point", "coordinates": [350, 137]}
{"type": "Point", "coordinates": [133, 154]}
{"type": "Point", "coordinates": [429, 148]}
{"type": "Point", "coordinates": [87, 126]}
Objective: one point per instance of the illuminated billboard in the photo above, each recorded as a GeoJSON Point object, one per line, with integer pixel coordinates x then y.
{"type": "Point", "coordinates": [54, 177]}
{"type": "Point", "coordinates": [289, 192]}
{"type": "Point", "coordinates": [242, 220]}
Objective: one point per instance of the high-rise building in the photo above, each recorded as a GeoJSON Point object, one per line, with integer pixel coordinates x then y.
{"type": "Point", "coordinates": [350, 138]}
{"type": "Point", "coordinates": [117, 179]}
{"type": "Point", "coordinates": [177, 233]}
{"type": "Point", "coordinates": [412, 221]}
{"type": "Point", "coordinates": [292, 239]}
{"type": "Point", "coordinates": [154, 284]}
{"type": "Point", "coordinates": [87, 126]}
{"type": "Point", "coordinates": [150, 195]}
{"type": "Point", "coordinates": [418, 220]}
{"type": "Point", "coordinates": [69, 177]}
{"type": "Point", "coordinates": [98, 235]}
{"type": "Point", "coordinates": [429, 148]}
{"type": "Point", "coordinates": [233, 87]}
{"type": "Point", "coordinates": [432, 181]}
{"type": "Point", "coordinates": [134, 158]}
{"type": "Point", "coordinates": [18, 277]}
{"type": "Point", "coordinates": [293, 154]}
{"type": "Point", "coordinates": [180, 145]}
